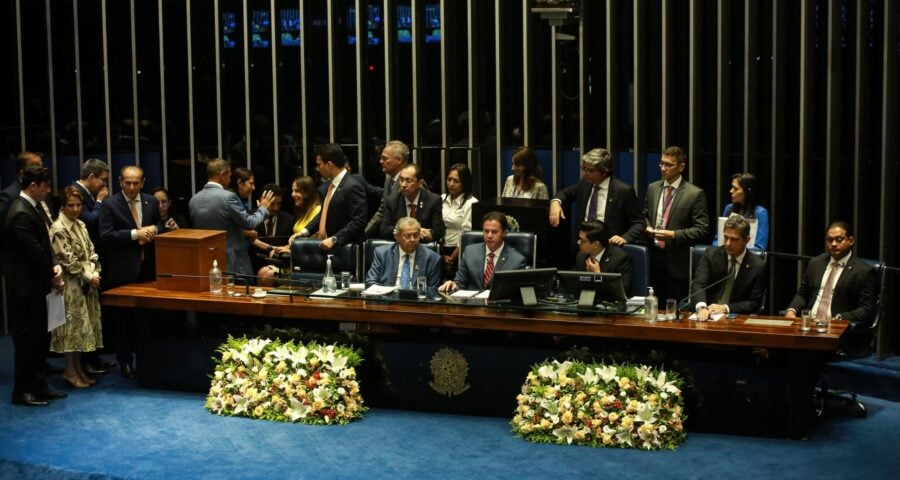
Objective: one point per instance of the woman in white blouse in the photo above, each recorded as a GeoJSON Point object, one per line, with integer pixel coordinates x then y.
{"type": "Point", "coordinates": [457, 210]}
{"type": "Point", "coordinates": [525, 182]}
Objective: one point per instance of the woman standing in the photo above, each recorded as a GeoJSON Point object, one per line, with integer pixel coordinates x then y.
{"type": "Point", "coordinates": [525, 182]}
{"type": "Point", "coordinates": [81, 272]}
{"type": "Point", "coordinates": [456, 206]}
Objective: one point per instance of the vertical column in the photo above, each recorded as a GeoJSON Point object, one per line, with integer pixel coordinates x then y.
{"type": "Point", "coordinates": [162, 95]}
{"type": "Point", "coordinates": [638, 55]}
{"type": "Point", "coordinates": [751, 92]}
{"type": "Point", "coordinates": [665, 42]}
{"type": "Point", "coordinates": [498, 79]}
{"type": "Point", "coordinates": [360, 157]}
{"type": "Point", "coordinates": [190, 85]}
{"type": "Point", "coordinates": [721, 80]}
{"type": "Point", "coordinates": [274, 42]}
{"type": "Point", "coordinates": [833, 115]}
{"type": "Point", "coordinates": [218, 69]}
{"type": "Point", "coordinates": [694, 106]}
{"type": "Point", "coordinates": [52, 98]}
{"type": "Point", "coordinates": [526, 72]}
{"type": "Point", "coordinates": [612, 119]}
{"type": "Point", "coordinates": [388, 86]}
{"type": "Point", "coordinates": [105, 47]}
{"type": "Point", "coordinates": [134, 88]}
{"type": "Point", "coordinates": [777, 120]}
{"type": "Point", "coordinates": [78, 114]}
{"type": "Point", "coordinates": [805, 89]}
{"type": "Point", "coordinates": [889, 151]}
{"type": "Point", "coordinates": [470, 86]}
{"type": "Point", "coordinates": [21, 76]}
{"type": "Point", "coordinates": [304, 131]}
{"type": "Point", "coordinates": [554, 98]}
{"type": "Point", "coordinates": [247, 126]}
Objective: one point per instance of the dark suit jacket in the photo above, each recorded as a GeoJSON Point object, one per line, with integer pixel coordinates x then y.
{"type": "Point", "coordinates": [373, 228]}
{"type": "Point", "coordinates": [386, 261]}
{"type": "Point", "coordinates": [749, 285]}
{"type": "Point", "coordinates": [121, 253]}
{"type": "Point", "coordinates": [428, 213]}
{"type": "Point", "coordinates": [689, 219]}
{"type": "Point", "coordinates": [854, 294]}
{"type": "Point", "coordinates": [470, 275]}
{"type": "Point", "coordinates": [90, 213]}
{"type": "Point", "coordinates": [284, 226]}
{"type": "Point", "coordinates": [614, 260]}
{"type": "Point", "coordinates": [623, 212]}
{"type": "Point", "coordinates": [29, 256]}
{"type": "Point", "coordinates": [347, 212]}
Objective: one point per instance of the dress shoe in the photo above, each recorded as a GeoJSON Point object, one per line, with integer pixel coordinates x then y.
{"type": "Point", "coordinates": [75, 381]}
{"type": "Point", "coordinates": [28, 400]}
{"type": "Point", "coordinates": [50, 395]}
{"type": "Point", "coordinates": [105, 365]}
{"type": "Point", "coordinates": [126, 370]}
{"type": "Point", "coordinates": [52, 370]}
{"type": "Point", "coordinates": [95, 369]}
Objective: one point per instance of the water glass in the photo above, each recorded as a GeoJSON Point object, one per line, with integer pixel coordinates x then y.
{"type": "Point", "coordinates": [822, 324]}
{"type": "Point", "coordinates": [345, 280]}
{"type": "Point", "coordinates": [421, 287]}
{"type": "Point", "coordinates": [806, 322]}
{"type": "Point", "coordinates": [671, 310]}
{"type": "Point", "coordinates": [228, 285]}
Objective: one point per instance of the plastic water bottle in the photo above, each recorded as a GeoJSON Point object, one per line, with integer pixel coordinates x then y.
{"type": "Point", "coordinates": [651, 306]}
{"type": "Point", "coordinates": [215, 279]}
{"type": "Point", "coordinates": [329, 283]}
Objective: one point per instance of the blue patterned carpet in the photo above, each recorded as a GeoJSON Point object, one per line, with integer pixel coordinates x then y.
{"type": "Point", "coordinates": [116, 430]}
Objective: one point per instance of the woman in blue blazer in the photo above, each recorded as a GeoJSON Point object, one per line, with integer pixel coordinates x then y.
{"type": "Point", "coordinates": [744, 203]}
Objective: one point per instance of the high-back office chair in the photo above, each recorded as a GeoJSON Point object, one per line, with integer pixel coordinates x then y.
{"type": "Point", "coordinates": [861, 348]}
{"type": "Point", "coordinates": [697, 252]}
{"type": "Point", "coordinates": [311, 260]}
{"type": "Point", "coordinates": [640, 269]}
{"type": "Point", "coordinates": [369, 252]}
{"type": "Point", "coordinates": [523, 242]}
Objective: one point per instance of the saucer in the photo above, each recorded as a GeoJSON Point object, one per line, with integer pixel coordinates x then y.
{"type": "Point", "coordinates": [258, 294]}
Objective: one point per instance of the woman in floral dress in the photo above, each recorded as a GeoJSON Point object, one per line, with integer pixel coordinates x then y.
{"type": "Point", "coordinates": [81, 272]}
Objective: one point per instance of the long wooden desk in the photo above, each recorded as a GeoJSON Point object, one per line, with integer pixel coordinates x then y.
{"type": "Point", "coordinates": [800, 347]}
{"type": "Point", "coordinates": [725, 332]}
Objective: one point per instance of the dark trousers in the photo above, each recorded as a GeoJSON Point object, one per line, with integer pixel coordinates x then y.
{"type": "Point", "coordinates": [31, 342]}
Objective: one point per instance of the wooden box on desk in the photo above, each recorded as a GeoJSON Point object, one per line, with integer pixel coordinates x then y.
{"type": "Point", "coordinates": [188, 252]}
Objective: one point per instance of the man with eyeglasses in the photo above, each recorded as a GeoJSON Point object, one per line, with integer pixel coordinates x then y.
{"type": "Point", "coordinates": [677, 218]}
{"type": "Point", "coordinates": [599, 196]}
{"type": "Point", "coordinates": [394, 157]}
{"type": "Point", "coordinates": [402, 262]}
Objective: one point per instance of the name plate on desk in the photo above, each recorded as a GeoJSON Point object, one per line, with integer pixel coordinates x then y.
{"type": "Point", "coordinates": [769, 322]}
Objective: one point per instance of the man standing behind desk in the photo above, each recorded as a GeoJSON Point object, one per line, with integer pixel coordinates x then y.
{"type": "Point", "coordinates": [740, 275]}
{"type": "Point", "coordinates": [29, 260]}
{"type": "Point", "coordinates": [394, 157]}
{"type": "Point", "coordinates": [600, 196]}
{"type": "Point", "coordinates": [839, 284]}
{"type": "Point", "coordinates": [479, 261]}
{"type": "Point", "coordinates": [596, 254]}
{"type": "Point", "coordinates": [216, 208]}
{"type": "Point", "coordinates": [414, 201]}
{"type": "Point", "coordinates": [129, 222]}
{"type": "Point", "coordinates": [401, 263]}
{"type": "Point", "coordinates": [677, 219]}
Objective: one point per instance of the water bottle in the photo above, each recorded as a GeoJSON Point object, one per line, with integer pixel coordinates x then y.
{"type": "Point", "coordinates": [651, 306]}
{"type": "Point", "coordinates": [329, 283]}
{"type": "Point", "coordinates": [215, 279]}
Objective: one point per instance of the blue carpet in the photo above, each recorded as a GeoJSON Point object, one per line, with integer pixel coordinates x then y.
{"type": "Point", "coordinates": [116, 430]}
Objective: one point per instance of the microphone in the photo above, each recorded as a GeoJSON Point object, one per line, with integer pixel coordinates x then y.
{"type": "Point", "coordinates": [685, 301]}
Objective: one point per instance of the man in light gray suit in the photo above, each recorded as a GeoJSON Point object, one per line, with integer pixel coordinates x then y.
{"type": "Point", "coordinates": [479, 260]}
{"type": "Point", "coordinates": [402, 262]}
{"type": "Point", "coordinates": [216, 208]}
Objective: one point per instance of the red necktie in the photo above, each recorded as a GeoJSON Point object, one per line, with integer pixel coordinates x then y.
{"type": "Point", "coordinates": [667, 209]}
{"type": "Point", "coordinates": [412, 210]}
{"type": "Point", "coordinates": [488, 269]}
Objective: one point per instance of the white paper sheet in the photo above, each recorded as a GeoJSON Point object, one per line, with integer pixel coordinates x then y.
{"type": "Point", "coordinates": [56, 310]}
{"type": "Point", "coordinates": [712, 318]}
{"type": "Point", "coordinates": [465, 293]}
{"type": "Point", "coordinates": [376, 290]}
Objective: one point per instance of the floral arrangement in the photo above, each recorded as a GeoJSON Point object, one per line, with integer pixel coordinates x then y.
{"type": "Point", "coordinates": [601, 406]}
{"type": "Point", "coordinates": [512, 223]}
{"type": "Point", "coordinates": [291, 382]}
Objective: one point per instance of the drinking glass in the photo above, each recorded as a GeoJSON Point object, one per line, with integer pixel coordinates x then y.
{"type": "Point", "coordinates": [345, 280]}
{"type": "Point", "coordinates": [806, 322]}
{"type": "Point", "coordinates": [228, 283]}
{"type": "Point", "coordinates": [421, 287]}
{"type": "Point", "coordinates": [671, 310]}
{"type": "Point", "coordinates": [822, 324]}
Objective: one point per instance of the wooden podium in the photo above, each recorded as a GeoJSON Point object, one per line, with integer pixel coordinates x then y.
{"type": "Point", "coordinates": [188, 252]}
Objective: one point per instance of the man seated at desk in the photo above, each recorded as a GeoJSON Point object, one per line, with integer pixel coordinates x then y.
{"type": "Point", "coordinates": [595, 254]}
{"type": "Point", "coordinates": [730, 275]}
{"type": "Point", "coordinates": [402, 262]}
{"type": "Point", "coordinates": [479, 261]}
{"type": "Point", "coordinates": [837, 284]}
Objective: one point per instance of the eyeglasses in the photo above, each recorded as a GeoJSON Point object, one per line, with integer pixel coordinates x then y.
{"type": "Point", "coordinates": [667, 165]}
{"type": "Point", "coordinates": [588, 169]}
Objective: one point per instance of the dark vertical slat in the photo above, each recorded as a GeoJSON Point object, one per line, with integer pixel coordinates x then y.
{"type": "Point", "coordinates": [776, 168]}
{"type": "Point", "coordinates": [833, 198]}
{"type": "Point", "coordinates": [665, 45]}
{"type": "Point", "coordinates": [805, 127]}
{"type": "Point", "coordinates": [611, 46]}
{"type": "Point", "coordinates": [751, 90]}
{"type": "Point", "coordinates": [638, 81]}
{"type": "Point", "coordinates": [890, 125]}
{"type": "Point", "coordinates": [722, 80]}
{"type": "Point", "coordinates": [694, 104]}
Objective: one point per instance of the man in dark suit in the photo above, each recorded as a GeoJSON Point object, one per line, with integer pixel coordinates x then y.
{"type": "Point", "coordinates": [94, 190]}
{"type": "Point", "coordinates": [30, 261]}
{"type": "Point", "coordinates": [729, 279]}
{"type": "Point", "coordinates": [479, 260]}
{"type": "Point", "coordinates": [11, 192]}
{"type": "Point", "coordinates": [600, 196]}
{"type": "Point", "coordinates": [414, 201]}
{"type": "Point", "coordinates": [343, 216]}
{"type": "Point", "coordinates": [596, 254]}
{"type": "Point", "coordinates": [129, 223]}
{"type": "Point", "coordinates": [839, 284]}
{"type": "Point", "coordinates": [676, 218]}
{"type": "Point", "coordinates": [401, 263]}
{"type": "Point", "coordinates": [394, 157]}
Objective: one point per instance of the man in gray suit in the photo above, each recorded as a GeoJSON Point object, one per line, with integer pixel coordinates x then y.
{"type": "Point", "coordinates": [394, 157]}
{"type": "Point", "coordinates": [677, 219]}
{"type": "Point", "coordinates": [479, 260]}
{"type": "Point", "coordinates": [402, 262]}
{"type": "Point", "coordinates": [216, 208]}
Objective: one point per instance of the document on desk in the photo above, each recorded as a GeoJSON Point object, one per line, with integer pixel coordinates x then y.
{"type": "Point", "coordinates": [56, 310]}
{"type": "Point", "coordinates": [465, 293]}
{"type": "Point", "coordinates": [376, 290]}
{"type": "Point", "coordinates": [712, 318]}
{"type": "Point", "coordinates": [484, 295]}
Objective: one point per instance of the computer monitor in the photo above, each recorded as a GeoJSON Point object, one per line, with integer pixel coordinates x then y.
{"type": "Point", "coordinates": [592, 287]}
{"type": "Point", "coordinates": [522, 286]}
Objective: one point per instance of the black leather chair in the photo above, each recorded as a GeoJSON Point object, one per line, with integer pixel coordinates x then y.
{"type": "Point", "coordinates": [523, 242]}
{"type": "Point", "coordinates": [309, 260]}
{"type": "Point", "coordinates": [697, 252]}
{"type": "Point", "coordinates": [640, 273]}
{"type": "Point", "coordinates": [369, 252]}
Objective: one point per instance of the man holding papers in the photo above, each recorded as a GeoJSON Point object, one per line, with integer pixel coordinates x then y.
{"type": "Point", "coordinates": [402, 262]}
{"type": "Point", "coordinates": [479, 261]}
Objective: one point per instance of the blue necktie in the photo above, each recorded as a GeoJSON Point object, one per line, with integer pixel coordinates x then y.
{"type": "Point", "coordinates": [404, 274]}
